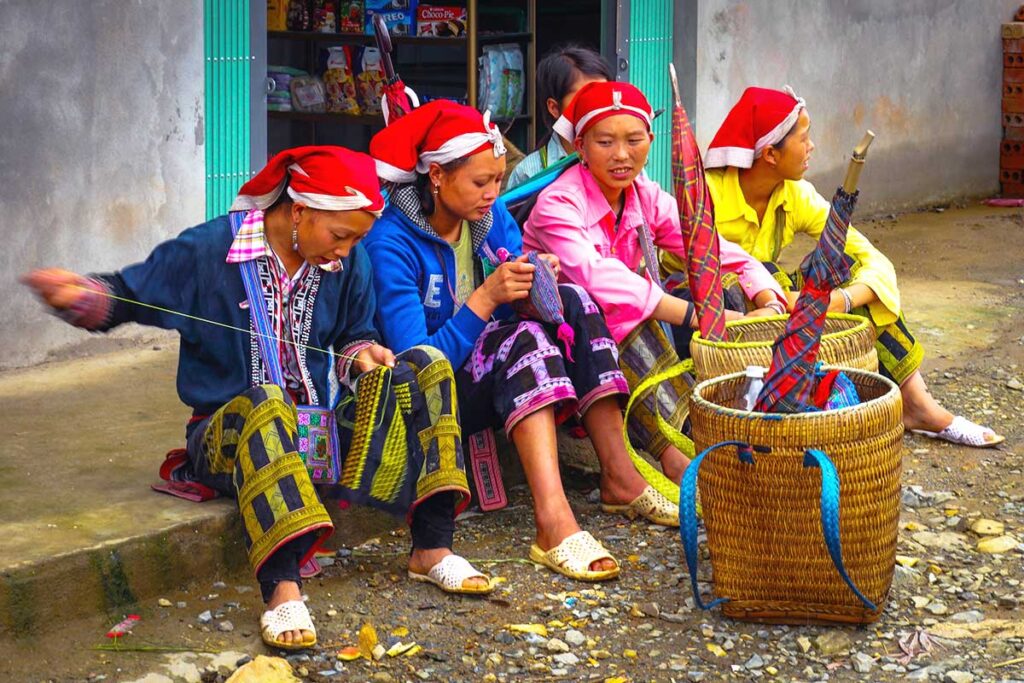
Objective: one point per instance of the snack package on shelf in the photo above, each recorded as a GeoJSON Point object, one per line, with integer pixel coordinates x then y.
{"type": "Point", "coordinates": [370, 81]}
{"type": "Point", "coordinates": [324, 16]}
{"type": "Point", "coordinates": [279, 79]}
{"type": "Point", "coordinates": [492, 91]}
{"type": "Point", "coordinates": [298, 18]}
{"type": "Point", "coordinates": [308, 94]}
{"type": "Point", "coordinates": [350, 16]}
{"type": "Point", "coordinates": [399, 16]}
{"type": "Point", "coordinates": [340, 83]}
{"type": "Point", "coordinates": [277, 15]}
{"type": "Point", "coordinates": [440, 21]}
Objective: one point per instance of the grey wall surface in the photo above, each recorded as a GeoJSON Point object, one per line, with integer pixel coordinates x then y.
{"type": "Point", "coordinates": [924, 75]}
{"type": "Point", "coordinates": [101, 155]}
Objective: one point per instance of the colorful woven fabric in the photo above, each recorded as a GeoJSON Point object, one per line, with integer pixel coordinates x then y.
{"type": "Point", "coordinates": [246, 450]}
{"type": "Point", "coordinates": [790, 382]}
{"type": "Point", "coordinates": [697, 219]}
{"type": "Point", "coordinates": [545, 302]}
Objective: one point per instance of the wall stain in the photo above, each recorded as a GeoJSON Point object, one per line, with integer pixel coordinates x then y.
{"type": "Point", "coordinates": [122, 218]}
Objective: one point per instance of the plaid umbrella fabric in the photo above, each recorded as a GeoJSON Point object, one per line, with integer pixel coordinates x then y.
{"type": "Point", "coordinates": [697, 219]}
{"type": "Point", "coordinates": [398, 99]}
{"type": "Point", "coordinates": [790, 382]}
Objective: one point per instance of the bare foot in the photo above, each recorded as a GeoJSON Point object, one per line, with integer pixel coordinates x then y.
{"type": "Point", "coordinates": [920, 409]}
{"type": "Point", "coordinates": [555, 531]}
{"type": "Point", "coordinates": [283, 592]}
{"type": "Point", "coordinates": [622, 487]}
{"type": "Point", "coordinates": [423, 560]}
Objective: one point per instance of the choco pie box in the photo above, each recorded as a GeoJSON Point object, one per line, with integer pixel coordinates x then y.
{"type": "Point", "coordinates": [441, 22]}
{"type": "Point", "coordinates": [399, 16]}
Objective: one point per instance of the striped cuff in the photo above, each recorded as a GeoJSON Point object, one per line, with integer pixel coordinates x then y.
{"type": "Point", "coordinates": [346, 361]}
{"type": "Point", "coordinates": [92, 309]}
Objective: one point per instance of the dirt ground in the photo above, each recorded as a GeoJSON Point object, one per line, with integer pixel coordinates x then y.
{"type": "Point", "coordinates": [955, 613]}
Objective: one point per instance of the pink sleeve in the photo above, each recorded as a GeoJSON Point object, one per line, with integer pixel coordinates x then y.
{"type": "Point", "coordinates": [556, 227]}
{"type": "Point", "coordinates": [753, 276]}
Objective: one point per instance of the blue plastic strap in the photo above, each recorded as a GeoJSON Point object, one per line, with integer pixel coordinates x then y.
{"type": "Point", "coordinates": [830, 515]}
{"type": "Point", "coordinates": [688, 513]}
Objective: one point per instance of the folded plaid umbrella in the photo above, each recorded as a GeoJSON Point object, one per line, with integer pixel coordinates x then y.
{"type": "Point", "coordinates": [697, 220]}
{"type": "Point", "coordinates": [790, 382]}
{"type": "Point", "coordinates": [398, 99]}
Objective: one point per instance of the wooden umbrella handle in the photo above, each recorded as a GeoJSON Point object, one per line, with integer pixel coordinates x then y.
{"type": "Point", "coordinates": [860, 152]}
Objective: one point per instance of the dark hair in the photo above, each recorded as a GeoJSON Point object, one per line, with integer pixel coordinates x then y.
{"type": "Point", "coordinates": [782, 141]}
{"type": "Point", "coordinates": [423, 184]}
{"type": "Point", "coordinates": [561, 67]}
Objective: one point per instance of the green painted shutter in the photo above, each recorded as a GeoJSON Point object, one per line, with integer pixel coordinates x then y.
{"type": "Point", "coordinates": [650, 52]}
{"type": "Point", "coordinates": [226, 48]}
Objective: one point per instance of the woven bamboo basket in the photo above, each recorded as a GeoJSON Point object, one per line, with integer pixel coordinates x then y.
{"type": "Point", "coordinates": [764, 524]}
{"type": "Point", "coordinates": [849, 341]}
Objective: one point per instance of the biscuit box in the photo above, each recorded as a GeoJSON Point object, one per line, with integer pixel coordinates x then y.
{"type": "Point", "coordinates": [400, 22]}
{"type": "Point", "coordinates": [441, 22]}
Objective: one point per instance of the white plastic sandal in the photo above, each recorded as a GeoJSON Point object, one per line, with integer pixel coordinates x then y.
{"type": "Point", "coordinates": [288, 616]}
{"type": "Point", "coordinates": [650, 505]}
{"type": "Point", "coordinates": [965, 433]}
{"type": "Point", "coordinates": [451, 573]}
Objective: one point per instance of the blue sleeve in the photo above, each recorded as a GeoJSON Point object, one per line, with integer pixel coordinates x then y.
{"type": "Point", "coordinates": [400, 313]}
{"type": "Point", "coordinates": [167, 279]}
{"type": "Point", "coordinates": [505, 229]}
{"type": "Point", "coordinates": [358, 301]}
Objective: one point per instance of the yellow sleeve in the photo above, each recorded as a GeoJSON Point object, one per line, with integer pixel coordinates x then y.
{"type": "Point", "coordinates": [871, 267]}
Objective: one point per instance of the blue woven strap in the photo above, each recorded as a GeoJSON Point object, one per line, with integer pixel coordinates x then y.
{"type": "Point", "coordinates": [829, 514]}
{"type": "Point", "coordinates": [265, 336]}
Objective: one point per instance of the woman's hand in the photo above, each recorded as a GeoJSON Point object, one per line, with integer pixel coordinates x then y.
{"type": "Point", "coordinates": [509, 282]}
{"type": "Point", "coordinates": [761, 312]}
{"type": "Point", "coordinates": [373, 357]}
{"type": "Point", "coordinates": [60, 289]}
{"type": "Point", "coordinates": [552, 261]}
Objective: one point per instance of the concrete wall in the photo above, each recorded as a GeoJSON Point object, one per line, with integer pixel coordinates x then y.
{"type": "Point", "coordinates": [924, 75]}
{"type": "Point", "coordinates": [101, 155]}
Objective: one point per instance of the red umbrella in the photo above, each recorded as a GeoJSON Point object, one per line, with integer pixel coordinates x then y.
{"type": "Point", "coordinates": [399, 99]}
{"type": "Point", "coordinates": [697, 219]}
{"type": "Point", "coordinates": [790, 383]}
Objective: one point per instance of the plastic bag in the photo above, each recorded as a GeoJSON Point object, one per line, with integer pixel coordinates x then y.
{"type": "Point", "coordinates": [308, 94]}
{"type": "Point", "coordinates": [513, 77]}
{"type": "Point", "coordinates": [279, 79]}
{"type": "Point", "coordinates": [493, 90]}
{"type": "Point", "coordinates": [324, 16]}
{"type": "Point", "coordinates": [341, 86]}
{"type": "Point", "coordinates": [277, 15]}
{"type": "Point", "coordinates": [350, 16]}
{"type": "Point", "coordinates": [370, 81]}
{"type": "Point", "coordinates": [298, 15]}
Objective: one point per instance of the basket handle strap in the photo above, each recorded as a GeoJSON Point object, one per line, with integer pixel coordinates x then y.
{"type": "Point", "coordinates": [688, 513]}
{"type": "Point", "coordinates": [830, 515]}
{"type": "Point", "coordinates": [654, 477]}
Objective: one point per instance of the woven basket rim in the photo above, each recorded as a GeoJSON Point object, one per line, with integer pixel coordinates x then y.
{"type": "Point", "coordinates": [697, 397]}
{"type": "Point", "coordinates": [861, 323]}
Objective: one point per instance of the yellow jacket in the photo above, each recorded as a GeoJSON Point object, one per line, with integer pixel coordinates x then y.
{"type": "Point", "coordinates": [801, 209]}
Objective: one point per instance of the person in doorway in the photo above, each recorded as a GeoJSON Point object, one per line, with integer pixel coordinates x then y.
{"type": "Point", "coordinates": [560, 74]}
{"type": "Point", "coordinates": [597, 217]}
{"type": "Point", "coordinates": [289, 251]}
{"type": "Point", "coordinates": [440, 281]}
{"type": "Point", "coordinates": [755, 171]}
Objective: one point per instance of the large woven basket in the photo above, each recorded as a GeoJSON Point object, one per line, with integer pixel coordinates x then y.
{"type": "Point", "coordinates": [764, 522]}
{"type": "Point", "coordinates": [849, 341]}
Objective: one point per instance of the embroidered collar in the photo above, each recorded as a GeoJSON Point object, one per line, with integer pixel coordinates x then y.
{"type": "Point", "coordinates": [406, 200]}
{"type": "Point", "coordinates": [251, 243]}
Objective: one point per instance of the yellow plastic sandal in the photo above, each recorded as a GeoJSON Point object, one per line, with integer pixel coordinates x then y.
{"type": "Point", "coordinates": [573, 557]}
{"type": "Point", "coordinates": [650, 505]}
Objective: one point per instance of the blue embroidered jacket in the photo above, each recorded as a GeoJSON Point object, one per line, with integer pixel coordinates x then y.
{"type": "Point", "coordinates": [414, 275]}
{"type": "Point", "coordinates": [188, 274]}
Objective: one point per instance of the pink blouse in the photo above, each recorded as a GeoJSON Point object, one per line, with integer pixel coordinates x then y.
{"type": "Point", "coordinates": [574, 221]}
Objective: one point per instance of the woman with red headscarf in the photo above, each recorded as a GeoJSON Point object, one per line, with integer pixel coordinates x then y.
{"type": "Point", "coordinates": [442, 280]}
{"type": "Point", "coordinates": [596, 218]}
{"type": "Point", "coordinates": [269, 404]}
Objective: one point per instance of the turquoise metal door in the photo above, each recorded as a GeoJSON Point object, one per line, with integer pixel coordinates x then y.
{"type": "Point", "coordinates": [650, 52]}
{"type": "Point", "coordinates": [228, 55]}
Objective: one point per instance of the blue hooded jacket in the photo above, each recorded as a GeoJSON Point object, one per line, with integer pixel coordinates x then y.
{"type": "Point", "coordinates": [414, 275]}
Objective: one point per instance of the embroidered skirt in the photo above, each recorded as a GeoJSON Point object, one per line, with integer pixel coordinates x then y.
{"type": "Point", "coordinates": [399, 438]}
{"type": "Point", "coordinates": [516, 367]}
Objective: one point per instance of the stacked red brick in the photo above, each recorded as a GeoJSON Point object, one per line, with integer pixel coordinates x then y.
{"type": "Point", "coordinates": [1011, 154]}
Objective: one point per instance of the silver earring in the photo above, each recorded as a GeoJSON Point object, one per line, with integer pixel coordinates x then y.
{"type": "Point", "coordinates": [437, 188]}
{"type": "Point", "coordinates": [295, 237]}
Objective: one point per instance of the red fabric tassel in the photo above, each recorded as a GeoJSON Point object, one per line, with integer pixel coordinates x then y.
{"type": "Point", "coordinates": [568, 338]}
